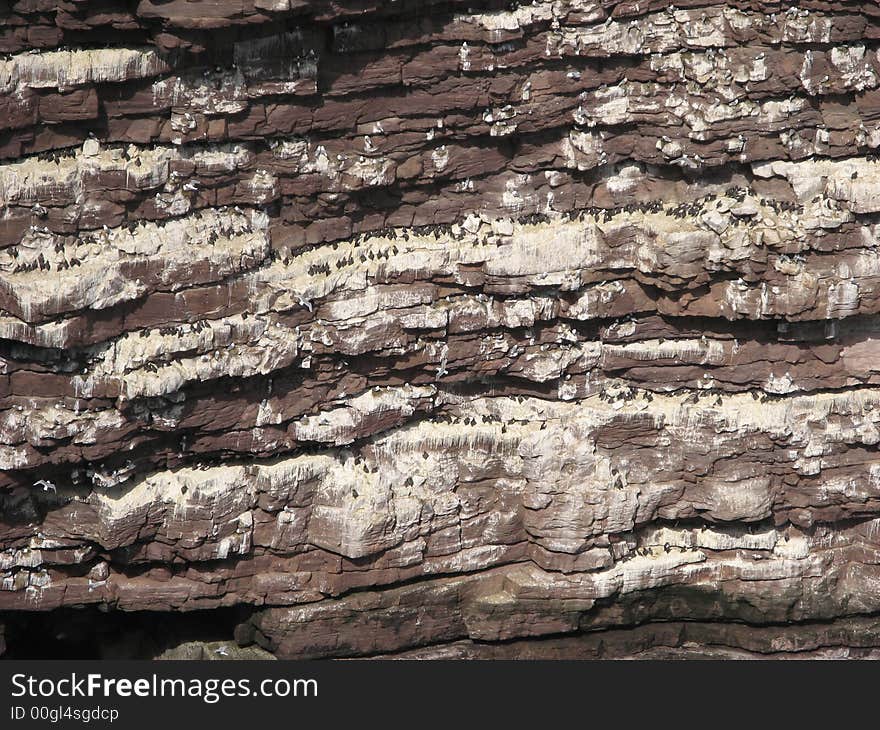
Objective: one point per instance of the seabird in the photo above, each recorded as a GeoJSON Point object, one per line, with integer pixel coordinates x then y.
{"type": "Point", "coordinates": [46, 485]}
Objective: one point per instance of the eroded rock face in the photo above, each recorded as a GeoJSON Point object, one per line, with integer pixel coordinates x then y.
{"type": "Point", "coordinates": [443, 329]}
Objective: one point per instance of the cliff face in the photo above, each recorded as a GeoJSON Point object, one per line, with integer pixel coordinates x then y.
{"type": "Point", "coordinates": [444, 329]}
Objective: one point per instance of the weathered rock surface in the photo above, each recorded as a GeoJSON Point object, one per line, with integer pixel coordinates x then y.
{"type": "Point", "coordinates": [438, 329]}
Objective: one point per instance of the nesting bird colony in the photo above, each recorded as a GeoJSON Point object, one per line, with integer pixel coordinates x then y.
{"type": "Point", "coordinates": [443, 329]}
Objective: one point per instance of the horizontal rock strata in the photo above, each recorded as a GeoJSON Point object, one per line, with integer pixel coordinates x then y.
{"type": "Point", "coordinates": [433, 329]}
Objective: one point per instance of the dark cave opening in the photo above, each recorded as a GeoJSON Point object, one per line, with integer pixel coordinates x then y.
{"type": "Point", "coordinates": [90, 633]}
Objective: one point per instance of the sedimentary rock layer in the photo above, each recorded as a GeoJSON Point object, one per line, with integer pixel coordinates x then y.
{"type": "Point", "coordinates": [444, 329]}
